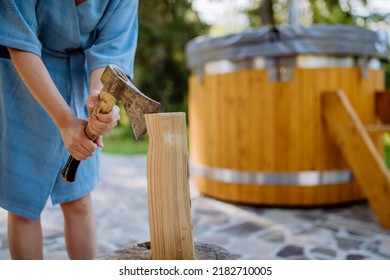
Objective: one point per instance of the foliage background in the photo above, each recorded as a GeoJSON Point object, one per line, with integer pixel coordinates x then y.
{"type": "Point", "coordinates": [165, 26]}
{"type": "Point", "coordinates": [160, 70]}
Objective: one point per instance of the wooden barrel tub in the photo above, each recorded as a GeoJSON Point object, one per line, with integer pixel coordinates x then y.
{"type": "Point", "coordinates": [256, 129]}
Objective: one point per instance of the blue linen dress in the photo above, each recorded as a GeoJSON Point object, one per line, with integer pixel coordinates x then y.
{"type": "Point", "coordinates": [72, 41]}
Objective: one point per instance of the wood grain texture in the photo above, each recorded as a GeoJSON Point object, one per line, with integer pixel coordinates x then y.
{"type": "Point", "coordinates": [168, 187]}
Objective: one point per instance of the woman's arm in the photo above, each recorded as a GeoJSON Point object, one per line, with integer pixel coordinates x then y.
{"type": "Point", "coordinates": [37, 79]}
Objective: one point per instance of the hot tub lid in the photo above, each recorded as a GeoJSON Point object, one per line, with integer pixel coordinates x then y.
{"type": "Point", "coordinates": [335, 40]}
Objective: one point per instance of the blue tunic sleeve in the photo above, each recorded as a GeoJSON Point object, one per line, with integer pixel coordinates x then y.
{"type": "Point", "coordinates": [116, 38]}
{"type": "Point", "coordinates": [18, 26]}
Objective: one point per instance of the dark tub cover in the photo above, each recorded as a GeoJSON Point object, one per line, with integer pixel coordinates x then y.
{"type": "Point", "coordinates": [284, 41]}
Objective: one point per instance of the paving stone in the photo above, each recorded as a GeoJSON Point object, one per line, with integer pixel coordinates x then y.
{"type": "Point", "coordinates": [57, 245]}
{"type": "Point", "coordinates": [56, 255]}
{"type": "Point", "coordinates": [316, 238]}
{"type": "Point", "coordinates": [380, 247]}
{"type": "Point", "coordinates": [204, 210]}
{"type": "Point", "coordinates": [252, 248]}
{"type": "Point", "coordinates": [360, 212]}
{"type": "Point", "coordinates": [217, 220]}
{"type": "Point", "coordinates": [348, 243]}
{"type": "Point", "coordinates": [328, 225]}
{"type": "Point", "coordinates": [384, 247]}
{"type": "Point", "coordinates": [357, 257]}
{"type": "Point", "coordinates": [3, 244]}
{"type": "Point", "coordinates": [277, 236]}
{"type": "Point", "coordinates": [4, 254]}
{"type": "Point", "coordinates": [219, 239]}
{"type": "Point", "coordinates": [243, 229]}
{"type": "Point", "coordinates": [50, 241]}
{"type": "Point", "coordinates": [312, 216]}
{"type": "Point", "coordinates": [249, 232]}
{"type": "Point", "coordinates": [359, 233]}
{"type": "Point", "coordinates": [323, 253]}
{"type": "Point", "coordinates": [291, 251]}
{"type": "Point", "coordinates": [202, 218]}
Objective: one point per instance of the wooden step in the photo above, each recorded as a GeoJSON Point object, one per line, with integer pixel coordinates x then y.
{"type": "Point", "coordinates": [377, 128]}
{"type": "Point", "coordinates": [360, 152]}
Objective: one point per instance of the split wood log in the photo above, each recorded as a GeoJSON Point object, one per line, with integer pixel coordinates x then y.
{"type": "Point", "coordinates": [168, 187]}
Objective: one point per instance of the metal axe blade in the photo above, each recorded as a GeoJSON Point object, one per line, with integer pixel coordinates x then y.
{"type": "Point", "coordinates": [134, 101]}
{"type": "Point", "coordinates": [117, 86]}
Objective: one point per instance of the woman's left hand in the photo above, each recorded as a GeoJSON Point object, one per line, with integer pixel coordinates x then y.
{"type": "Point", "coordinates": [101, 124]}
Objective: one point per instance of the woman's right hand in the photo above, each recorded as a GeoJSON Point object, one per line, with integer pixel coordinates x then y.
{"type": "Point", "coordinates": [76, 141]}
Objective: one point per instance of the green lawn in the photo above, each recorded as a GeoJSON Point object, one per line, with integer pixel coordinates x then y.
{"type": "Point", "coordinates": [121, 141]}
{"type": "Point", "coordinates": [387, 149]}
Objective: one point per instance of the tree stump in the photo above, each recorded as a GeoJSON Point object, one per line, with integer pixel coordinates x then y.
{"type": "Point", "coordinates": [141, 251]}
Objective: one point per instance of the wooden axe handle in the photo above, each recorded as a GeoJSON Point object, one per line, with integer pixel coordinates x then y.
{"type": "Point", "coordinates": [105, 104]}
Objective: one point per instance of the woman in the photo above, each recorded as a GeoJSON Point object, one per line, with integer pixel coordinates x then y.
{"type": "Point", "coordinates": [53, 54]}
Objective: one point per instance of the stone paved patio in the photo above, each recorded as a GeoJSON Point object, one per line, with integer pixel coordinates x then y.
{"type": "Point", "coordinates": [344, 232]}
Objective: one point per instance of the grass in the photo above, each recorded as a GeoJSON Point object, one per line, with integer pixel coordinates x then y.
{"type": "Point", "coordinates": [121, 141]}
{"type": "Point", "coordinates": [387, 148]}
{"type": "Point", "coordinates": [387, 156]}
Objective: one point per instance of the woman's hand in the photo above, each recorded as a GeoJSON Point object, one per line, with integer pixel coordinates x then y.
{"type": "Point", "coordinates": [100, 123]}
{"type": "Point", "coordinates": [35, 76]}
{"type": "Point", "coordinates": [76, 141]}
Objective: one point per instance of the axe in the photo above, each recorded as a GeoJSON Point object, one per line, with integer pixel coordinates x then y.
{"type": "Point", "coordinates": [116, 86]}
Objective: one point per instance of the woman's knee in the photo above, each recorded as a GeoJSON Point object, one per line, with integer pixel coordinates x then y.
{"type": "Point", "coordinates": [78, 207]}
{"type": "Point", "coordinates": [14, 218]}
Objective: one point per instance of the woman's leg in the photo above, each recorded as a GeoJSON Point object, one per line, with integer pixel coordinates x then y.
{"type": "Point", "coordinates": [25, 238]}
{"type": "Point", "coordinates": [80, 231]}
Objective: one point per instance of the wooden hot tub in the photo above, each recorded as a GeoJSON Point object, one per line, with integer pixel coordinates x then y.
{"type": "Point", "coordinates": [257, 133]}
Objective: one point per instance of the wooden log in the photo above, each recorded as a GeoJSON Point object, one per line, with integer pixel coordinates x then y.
{"type": "Point", "coordinates": [360, 152]}
{"type": "Point", "coordinates": [168, 187]}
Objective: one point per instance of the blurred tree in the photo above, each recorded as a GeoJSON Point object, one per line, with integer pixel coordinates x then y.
{"type": "Point", "coordinates": [274, 12]}
{"type": "Point", "coordinates": [267, 16]}
{"type": "Point", "coordinates": [165, 26]}
{"type": "Point", "coordinates": [330, 11]}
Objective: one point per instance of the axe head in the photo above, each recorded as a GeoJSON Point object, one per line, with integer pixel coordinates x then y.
{"type": "Point", "coordinates": [135, 102]}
